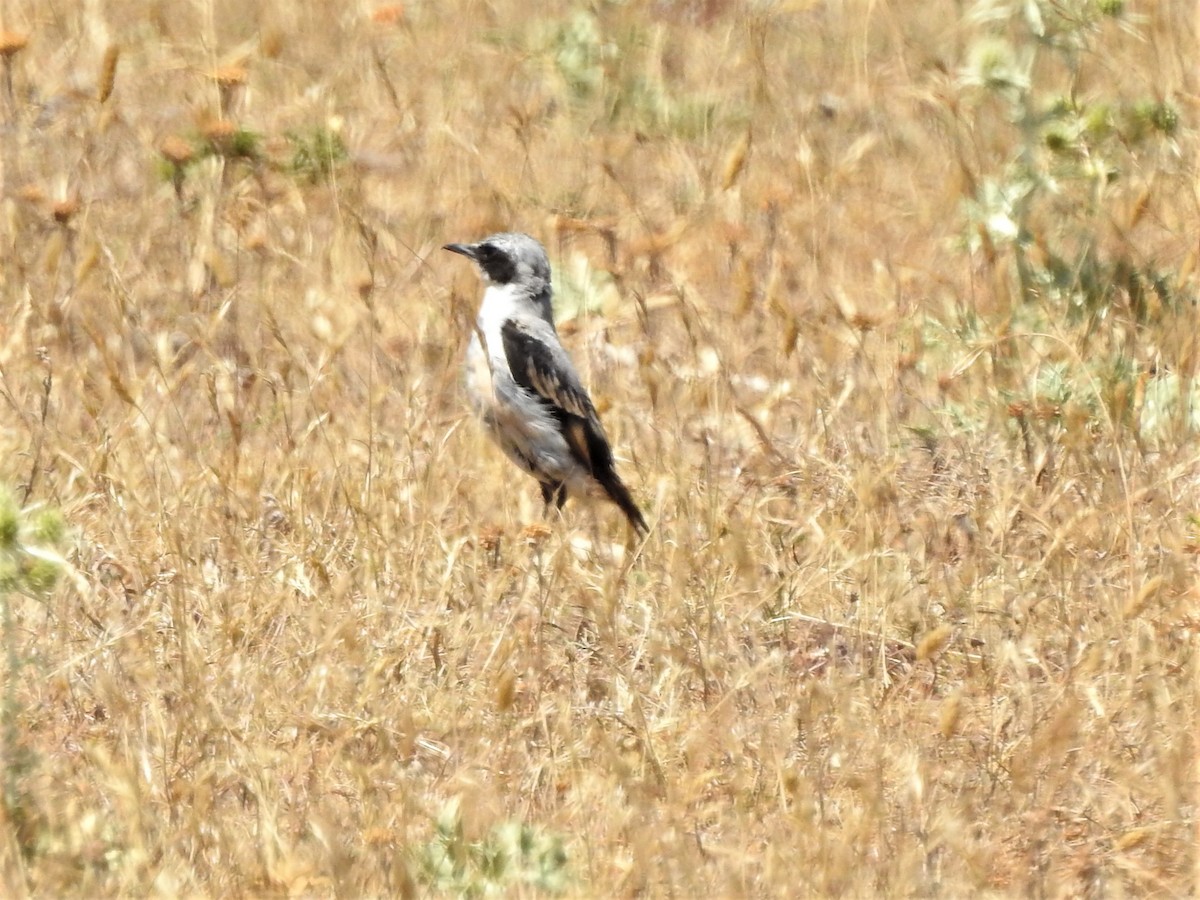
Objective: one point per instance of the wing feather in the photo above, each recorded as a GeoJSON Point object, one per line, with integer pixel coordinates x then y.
{"type": "Point", "coordinates": [537, 367]}
{"type": "Point", "coordinates": [544, 369]}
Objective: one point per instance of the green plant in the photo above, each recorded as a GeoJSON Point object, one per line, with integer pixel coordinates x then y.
{"type": "Point", "coordinates": [582, 289]}
{"type": "Point", "coordinates": [621, 70]}
{"type": "Point", "coordinates": [316, 153]}
{"type": "Point", "coordinates": [1047, 205]}
{"type": "Point", "coordinates": [30, 564]}
{"type": "Point", "coordinates": [1053, 214]}
{"type": "Point", "coordinates": [512, 854]}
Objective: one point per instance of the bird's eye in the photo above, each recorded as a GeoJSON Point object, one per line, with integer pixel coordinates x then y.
{"type": "Point", "coordinates": [497, 264]}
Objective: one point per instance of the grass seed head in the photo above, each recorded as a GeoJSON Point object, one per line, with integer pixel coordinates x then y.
{"type": "Point", "coordinates": [950, 714]}
{"type": "Point", "coordinates": [932, 644]}
{"type": "Point", "coordinates": [825, 510]}
{"type": "Point", "coordinates": [735, 162]}
{"type": "Point", "coordinates": [108, 73]}
{"type": "Point", "coordinates": [1139, 601]}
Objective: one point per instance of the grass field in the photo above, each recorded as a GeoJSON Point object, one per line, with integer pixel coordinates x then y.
{"type": "Point", "coordinates": [889, 308]}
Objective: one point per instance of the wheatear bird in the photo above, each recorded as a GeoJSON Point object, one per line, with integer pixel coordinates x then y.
{"type": "Point", "coordinates": [522, 382]}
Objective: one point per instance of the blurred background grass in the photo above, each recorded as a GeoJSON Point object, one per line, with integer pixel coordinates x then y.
{"type": "Point", "coordinates": [889, 307]}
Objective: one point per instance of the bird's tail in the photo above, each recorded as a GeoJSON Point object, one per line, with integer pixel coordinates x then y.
{"type": "Point", "coordinates": [619, 494]}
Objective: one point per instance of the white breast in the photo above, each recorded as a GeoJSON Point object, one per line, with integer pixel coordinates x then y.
{"type": "Point", "coordinates": [499, 304]}
{"type": "Point", "coordinates": [489, 381]}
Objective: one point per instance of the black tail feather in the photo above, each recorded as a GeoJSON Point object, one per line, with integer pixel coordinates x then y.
{"type": "Point", "coordinates": [619, 494]}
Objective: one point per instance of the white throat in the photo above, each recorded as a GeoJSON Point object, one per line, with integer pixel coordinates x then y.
{"type": "Point", "coordinates": [500, 303]}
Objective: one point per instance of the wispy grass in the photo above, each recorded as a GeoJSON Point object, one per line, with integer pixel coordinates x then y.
{"type": "Point", "coordinates": [888, 308]}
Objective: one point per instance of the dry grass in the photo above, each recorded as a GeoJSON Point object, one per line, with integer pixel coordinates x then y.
{"type": "Point", "coordinates": [908, 622]}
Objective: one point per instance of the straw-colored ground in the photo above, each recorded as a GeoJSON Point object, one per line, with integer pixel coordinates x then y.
{"type": "Point", "coordinates": [918, 614]}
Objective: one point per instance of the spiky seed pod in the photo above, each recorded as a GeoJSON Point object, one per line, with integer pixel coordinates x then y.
{"type": "Point", "coordinates": [489, 538]}
{"type": "Point", "coordinates": [176, 150]}
{"type": "Point", "coordinates": [391, 14]}
{"type": "Point", "coordinates": [535, 532]}
{"type": "Point", "coordinates": [31, 193]}
{"type": "Point", "coordinates": [64, 210]}
{"type": "Point", "coordinates": [219, 130]}
{"type": "Point", "coordinates": [230, 79]}
{"type": "Point", "coordinates": [12, 43]}
{"type": "Point", "coordinates": [229, 76]}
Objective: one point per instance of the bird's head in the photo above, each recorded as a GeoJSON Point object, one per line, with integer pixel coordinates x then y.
{"type": "Point", "coordinates": [509, 258]}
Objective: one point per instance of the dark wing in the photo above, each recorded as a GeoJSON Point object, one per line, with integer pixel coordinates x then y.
{"type": "Point", "coordinates": [545, 370]}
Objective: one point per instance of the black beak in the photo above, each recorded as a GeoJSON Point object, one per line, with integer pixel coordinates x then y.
{"type": "Point", "coordinates": [467, 250]}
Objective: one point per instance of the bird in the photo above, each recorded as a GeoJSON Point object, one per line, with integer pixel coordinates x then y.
{"type": "Point", "coordinates": [523, 386]}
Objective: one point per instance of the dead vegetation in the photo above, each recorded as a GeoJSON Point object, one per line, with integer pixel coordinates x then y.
{"type": "Point", "coordinates": [905, 386]}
